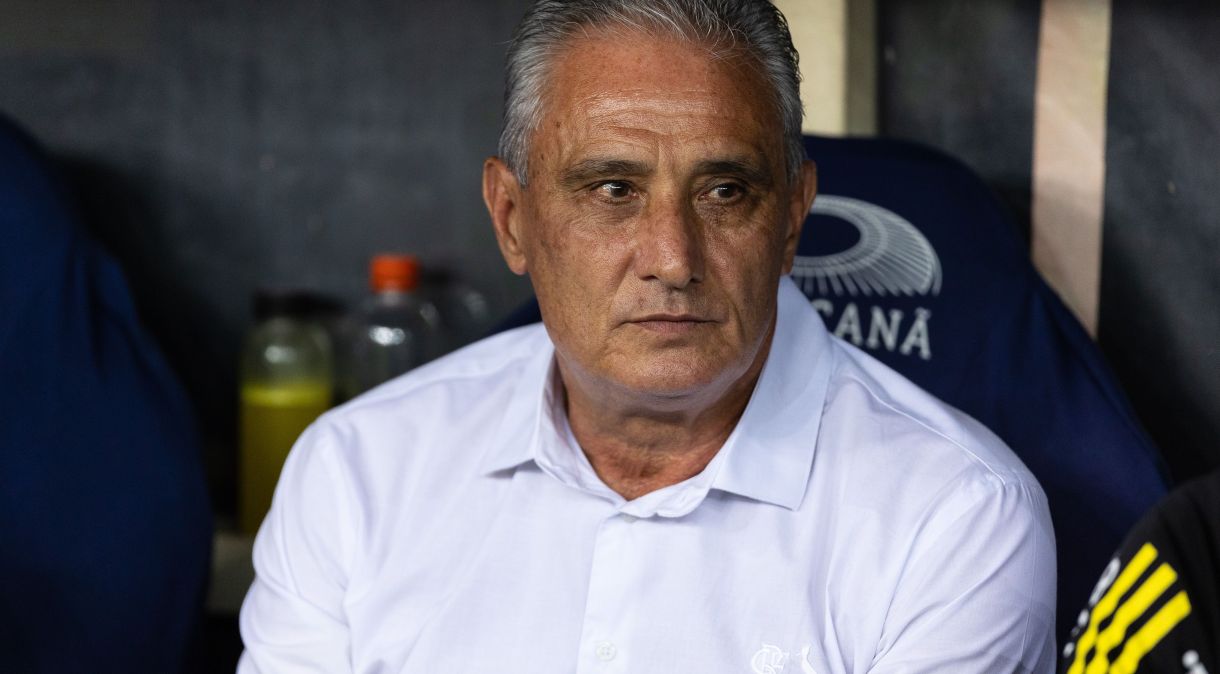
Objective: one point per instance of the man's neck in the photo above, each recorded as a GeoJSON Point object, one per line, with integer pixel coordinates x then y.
{"type": "Point", "coordinates": [636, 449]}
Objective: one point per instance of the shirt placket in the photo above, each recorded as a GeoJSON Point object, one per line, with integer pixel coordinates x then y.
{"type": "Point", "coordinates": [604, 645]}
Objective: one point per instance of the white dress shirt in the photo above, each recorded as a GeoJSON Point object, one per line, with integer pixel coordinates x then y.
{"type": "Point", "coordinates": [449, 522]}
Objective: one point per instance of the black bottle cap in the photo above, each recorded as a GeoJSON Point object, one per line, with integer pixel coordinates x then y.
{"type": "Point", "coordinates": [294, 303]}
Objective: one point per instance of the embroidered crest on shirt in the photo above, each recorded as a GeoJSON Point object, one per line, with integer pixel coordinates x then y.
{"type": "Point", "coordinates": [772, 660]}
{"type": "Point", "coordinates": [769, 660]}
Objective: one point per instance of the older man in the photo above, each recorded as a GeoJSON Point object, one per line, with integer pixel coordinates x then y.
{"type": "Point", "coordinates": [680, 470]}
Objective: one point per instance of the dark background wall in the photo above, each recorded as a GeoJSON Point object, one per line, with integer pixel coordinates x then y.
{"type": "Point", "coordinates": [226, 145]}
{"type": "Point", "coordinates": [961, 74]}
{"type": "Point", "coordinates": [221, 146]}
{"type": "Point", "coordinates": [1160, 292]}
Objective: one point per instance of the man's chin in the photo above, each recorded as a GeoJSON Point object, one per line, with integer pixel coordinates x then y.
{"type": "Point", "coordinates": [678, 379]}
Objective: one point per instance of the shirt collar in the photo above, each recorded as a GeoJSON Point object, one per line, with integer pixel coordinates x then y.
{"type": "Point", "coordinates": [521, 426]}
{"type": "Point", "coordinates": [769, 455]}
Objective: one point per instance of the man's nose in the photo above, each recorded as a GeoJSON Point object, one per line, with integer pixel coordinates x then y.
{"type": "Point", "coordinates": [669, 244]}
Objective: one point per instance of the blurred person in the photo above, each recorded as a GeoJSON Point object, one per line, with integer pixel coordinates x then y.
{"type": "Point", "coordinates": [1156, 607]}
{"type": "Point", "coordinates": [105, 525]}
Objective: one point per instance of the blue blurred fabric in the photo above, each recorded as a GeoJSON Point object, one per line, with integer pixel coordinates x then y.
{"type": "Point", "coordinates": [105, 524]}
{"type": "Point", "coordinates": [973, 323]}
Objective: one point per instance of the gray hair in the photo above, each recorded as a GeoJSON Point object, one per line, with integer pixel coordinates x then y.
{"type": "Point", "coordinates": [753, 27]}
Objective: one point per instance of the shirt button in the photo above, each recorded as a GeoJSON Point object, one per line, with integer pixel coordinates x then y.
{"type": "Point", "coordinates": [629, 518]}
{"type": "Point", "coordinates": [606, 651]}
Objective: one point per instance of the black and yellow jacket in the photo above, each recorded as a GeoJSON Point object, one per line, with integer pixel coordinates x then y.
{"type": "Point", "coordinates": [1156, 607]}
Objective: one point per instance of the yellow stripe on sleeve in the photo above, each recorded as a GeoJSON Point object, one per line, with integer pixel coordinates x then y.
{"type": "Point", "coordinates": [1172, 613]}
{"type": "Point", "coordinates": [1134, 569]}
{"type": "Point", "coordinates": [1129, 612]}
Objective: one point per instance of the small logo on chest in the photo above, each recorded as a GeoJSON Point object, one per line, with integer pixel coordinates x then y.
{"type": "Point", "coordinates": [773, 659]}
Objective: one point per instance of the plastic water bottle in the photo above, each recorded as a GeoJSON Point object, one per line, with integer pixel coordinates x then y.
{"type": "Point", "coordinates": [465, 313]}
{"type": "Point", "coordinates": [393, 331]}
{"type": "Point", "coordinates": [468, 313]}
{"type": "Point", "coordinates": [286, 382]}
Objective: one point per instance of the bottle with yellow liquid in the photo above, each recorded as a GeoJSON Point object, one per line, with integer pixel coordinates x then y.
{"type": "Point", "coordinates": [286, 382]}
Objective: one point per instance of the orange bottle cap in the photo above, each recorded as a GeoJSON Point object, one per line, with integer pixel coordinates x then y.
{"type": "Point", "coordinates": [389, 272]}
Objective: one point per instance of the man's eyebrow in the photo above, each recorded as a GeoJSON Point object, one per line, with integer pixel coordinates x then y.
{"type": "Point", "coordinates": [592, 169]}
{"type": "Point", "coordinates": [745, 169]}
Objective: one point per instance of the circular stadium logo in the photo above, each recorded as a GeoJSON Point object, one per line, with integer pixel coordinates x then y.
{"type": "Point", "coordinates": [891, 257]}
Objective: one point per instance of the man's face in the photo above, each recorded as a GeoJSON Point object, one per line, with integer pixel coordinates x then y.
{"type": "Point", "coordinates": [657, 219]}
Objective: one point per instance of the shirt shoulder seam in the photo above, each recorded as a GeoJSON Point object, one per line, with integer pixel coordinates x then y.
{"type": "Point", "coordinates": [1004, 478]}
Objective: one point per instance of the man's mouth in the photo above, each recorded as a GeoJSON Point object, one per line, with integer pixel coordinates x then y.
{"type": "Point", "coordinates": [670, 324]}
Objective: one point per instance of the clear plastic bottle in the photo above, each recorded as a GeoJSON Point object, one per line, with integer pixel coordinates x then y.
{"type": "Point", "coordinates": [393, 331]}
{"type": "Point", "coordinates": [465, 313]}
{"type": "Point", "coordinates": [286, 382]}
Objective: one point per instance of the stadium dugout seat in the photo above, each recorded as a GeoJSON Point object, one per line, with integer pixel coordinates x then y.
{"type": "Point", "coordinates": [909, 256]}
{"type": "Point", "coordinates": [104, 514]}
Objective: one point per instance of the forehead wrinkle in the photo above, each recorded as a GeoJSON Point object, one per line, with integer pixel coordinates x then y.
{"type": "Point", "coordinates": [647, 124]}
{"type": "Point", "coordinates": [681, 102]}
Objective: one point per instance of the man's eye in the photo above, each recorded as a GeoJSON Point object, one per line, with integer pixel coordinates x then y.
{"type": "Point", "coordinates": [614, 189]}
{"type": "Point", "coordinates": [727, 191]}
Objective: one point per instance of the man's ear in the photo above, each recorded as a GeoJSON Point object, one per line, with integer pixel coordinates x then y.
{"type": "Point", "coordinates": [502, 194]}
{"type": "Point", "coordinates": [800, 199]}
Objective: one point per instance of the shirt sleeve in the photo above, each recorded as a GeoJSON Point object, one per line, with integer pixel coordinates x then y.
{"type": "Point", "coordinates": [293, 617]}
{"type": "Point", "coordinates": [977, 594]}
